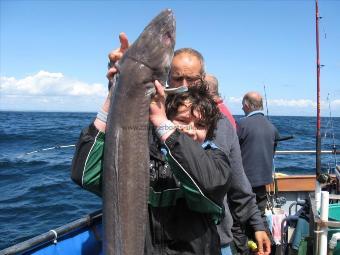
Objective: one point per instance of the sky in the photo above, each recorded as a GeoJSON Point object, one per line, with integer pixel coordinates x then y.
{"type": "Point", "coordinates": [53, 54]}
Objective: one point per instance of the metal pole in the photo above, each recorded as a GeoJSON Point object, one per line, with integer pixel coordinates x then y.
{"type": "Point", "coordinates": [318, 119]}
{"type": "Point", "coordinates": [324, 217]}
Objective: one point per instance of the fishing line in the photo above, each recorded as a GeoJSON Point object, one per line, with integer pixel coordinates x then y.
{"type": "Point", "coordinates": [50, 148]}
{"type": "Point", "coordinates": [323, 28]}
{"type": "Point", "coordinates": [329, 120]}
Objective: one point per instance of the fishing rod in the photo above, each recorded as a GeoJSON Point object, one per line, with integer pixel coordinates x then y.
{"type": "Point", "coordinates": [332, 129]}
{"type": "Point", "coordinates": [285, 138]}
{"type": "Point", "coordinates": [273, 196]}
{"type": "Point", "coordinates": [318, 117]}
{"type": "Point", "coordinates": [265, 98]}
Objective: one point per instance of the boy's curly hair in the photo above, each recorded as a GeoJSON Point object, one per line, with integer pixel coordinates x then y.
{"type": "Point", "coordinates": [201, 101]}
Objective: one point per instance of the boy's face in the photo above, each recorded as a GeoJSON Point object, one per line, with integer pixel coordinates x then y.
{"type": "Point", "coordinates": [190, 124]}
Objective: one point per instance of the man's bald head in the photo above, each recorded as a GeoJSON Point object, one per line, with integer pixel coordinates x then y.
{"type": "Point", "coordinates": [252, 101]}
{"type": "Point", "coordinates": [212, 83]}
{"type": "Point", "coordinates": [192, 53]}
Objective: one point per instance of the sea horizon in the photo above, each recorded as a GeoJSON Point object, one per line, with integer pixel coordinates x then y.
{"type": "Point", "coordinates": [94, 112]}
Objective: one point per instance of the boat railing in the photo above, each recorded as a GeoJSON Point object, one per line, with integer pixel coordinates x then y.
{"type": "Point", "coordinates": [52, 235]}
{"type": "Point", "coordinates": [283, 152]}
{"type": "Point", "coordinates": [327, 223]}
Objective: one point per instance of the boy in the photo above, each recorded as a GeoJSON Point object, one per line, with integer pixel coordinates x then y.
{"type": "Point", "coordinates": [189, 175]}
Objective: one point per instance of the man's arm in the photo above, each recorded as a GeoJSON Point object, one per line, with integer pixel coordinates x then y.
{"type": "Point", "coordinates": [114, 56]}
{"type": "Point", "coordinates": [243, 201]}
{"type": "Point", "coordinates": [88, 157]}
{"type": "Point", "coordinates": [207, 168]}
{"type": "Point", "coordinates": [241, 198]}
{"type": "Point", "coordinates": [87, 161]}
{"type": "Point", "coordinates": [203, 174]}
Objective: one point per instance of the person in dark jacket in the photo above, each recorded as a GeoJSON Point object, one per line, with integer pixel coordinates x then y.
{"type": "Point", "coordinates": [227, 140]}
{"type": "Point", "coordinates": [187, 68]}
{"type": "Point", "coordinates": [257, 138]}
{"type": "Point", "coordinates": [189, 175]}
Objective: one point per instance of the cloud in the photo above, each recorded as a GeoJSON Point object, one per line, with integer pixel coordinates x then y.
{"type": "Point", "coordinates": [335, 103]}
{"type": "Point", "coordinates": [235, 100]}
{"type": "Point", "coordinates": [46, 83]}
{"type": "Point", "coordinates": [299, 103]}
{"type": "Point", "coordinates": [289, 107]}
{"type": "Point", "coordinates": [53, 91]}
{"type": "Point", "coordinates": [302, 103]}
{"type": "Point", "coordinates": [47, 91]}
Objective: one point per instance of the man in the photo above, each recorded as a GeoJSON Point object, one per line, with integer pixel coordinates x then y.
{"type": "Point", "coordinates": [257, 142]}
{"type": "Point", "coordinates": [223, 139]}
{"type": "Point", "coordinates": [186, 69]}
{"type": "Point", "coordinates": [213, 88]}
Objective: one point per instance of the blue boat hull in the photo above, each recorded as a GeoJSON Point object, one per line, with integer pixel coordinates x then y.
{"type": "Point", "coordinates": [83, 236]}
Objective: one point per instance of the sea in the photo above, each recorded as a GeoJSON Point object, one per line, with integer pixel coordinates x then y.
{"type": "Point", "coordinates": [36, 150]}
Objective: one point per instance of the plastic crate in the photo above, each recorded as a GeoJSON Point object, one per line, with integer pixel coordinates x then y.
{"type": "Point", "coordinates": [334, 215]}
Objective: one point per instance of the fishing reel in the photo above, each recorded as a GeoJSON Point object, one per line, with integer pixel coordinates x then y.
{"type": "Point", "coordinates": [323, 178]}
{"type": "Point", "coordinates": [280, 201]}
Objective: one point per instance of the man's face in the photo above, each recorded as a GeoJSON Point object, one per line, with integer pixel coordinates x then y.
{"type": "Point", "coordinates": [189, 123]}
{"type": "Point", "coordinates": [185, 70]}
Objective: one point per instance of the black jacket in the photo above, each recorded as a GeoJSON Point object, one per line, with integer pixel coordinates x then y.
{"type": "Point", "coordinates": [187, 186]}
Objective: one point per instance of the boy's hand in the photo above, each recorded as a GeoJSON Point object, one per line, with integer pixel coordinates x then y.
{"type": "Point", "coordinates": [157, 106]}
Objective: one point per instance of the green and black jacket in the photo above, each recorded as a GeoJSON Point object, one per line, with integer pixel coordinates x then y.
{"type": "Point", "coordinates": [188, 182]}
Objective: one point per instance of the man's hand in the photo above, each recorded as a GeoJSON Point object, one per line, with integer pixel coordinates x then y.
{"type": "Point", "coordinates": [117, 54]}
{"type": "Point", "coordinates": [114, 56]}
{"type": "Point", "coordinates": [157, 112]}
{"type": "Point", "coordinates": [157, 106]}
{"type": "Point", "coordinates": [263, 243]}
